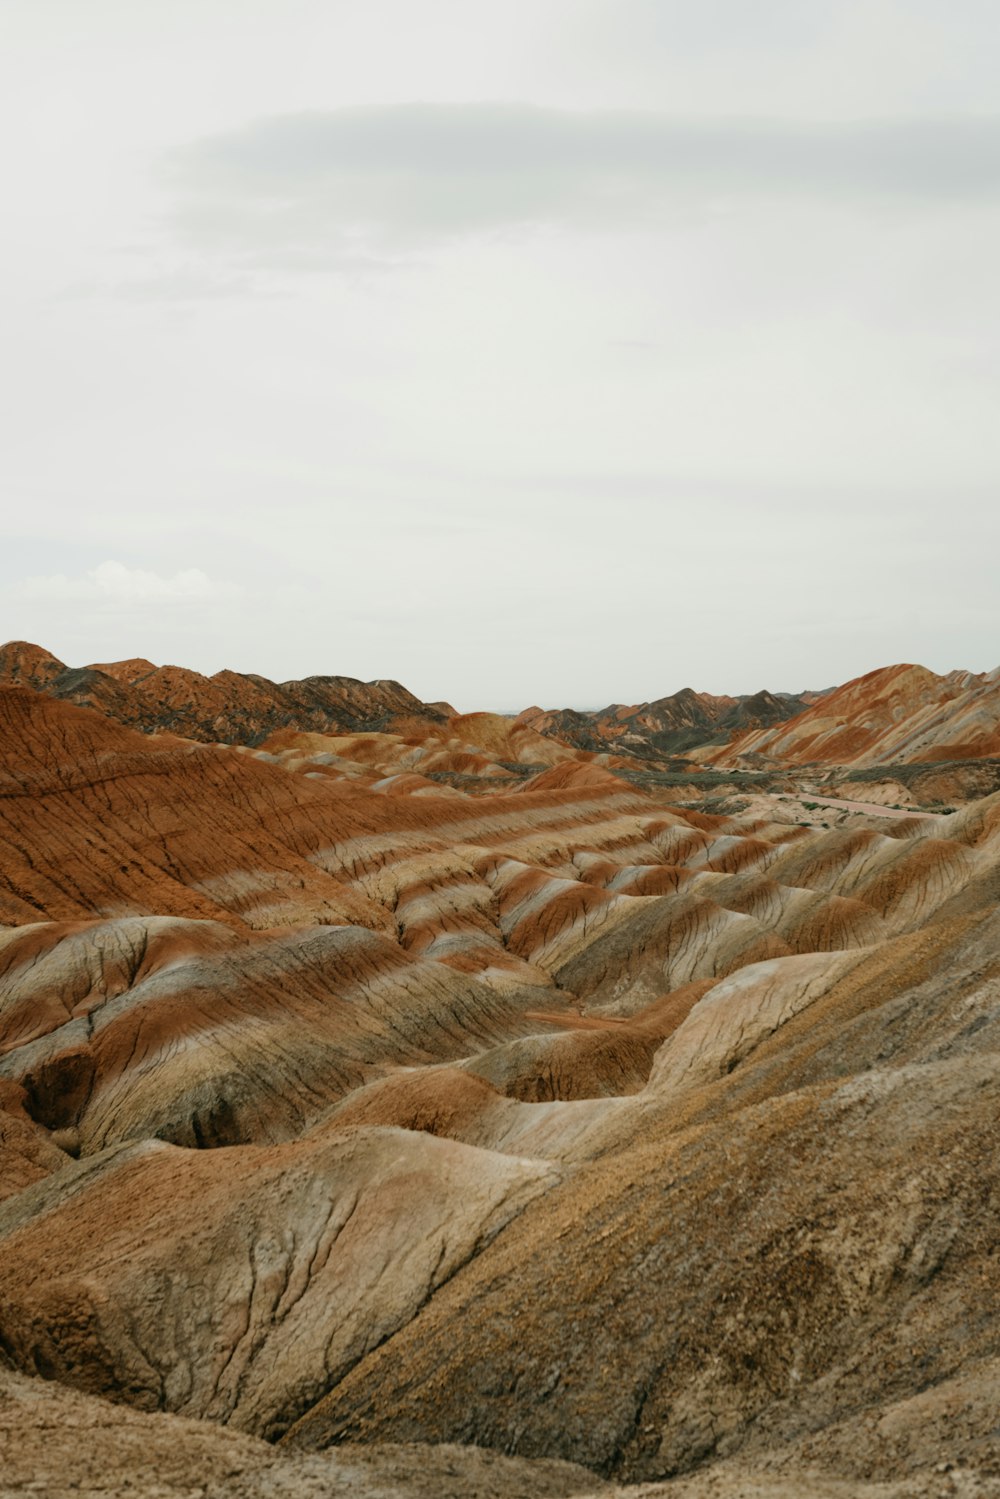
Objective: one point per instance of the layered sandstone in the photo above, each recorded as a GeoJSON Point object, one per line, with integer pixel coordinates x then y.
{"type": "Point", "coordinates": [230, 706]}
{"type": "Point", "coordinates": [518, 1108]}
{"type": "Point", "coordinates": [899, 714]}
{"type": "Point", "coordinates": [669, 725]}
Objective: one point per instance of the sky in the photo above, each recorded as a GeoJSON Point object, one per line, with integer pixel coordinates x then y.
{"type": "Point", "coordinates": [558, 352]}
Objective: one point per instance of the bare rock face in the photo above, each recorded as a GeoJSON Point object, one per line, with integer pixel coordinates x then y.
{"type": "Point", "coordinates": [299, 1260]}
{"type": "Point", "coordinates": [27, 1152]}
{"type": "Point", "coordinates": [515, 1112]}
{"type": "Point", "coordinates": [26, 665]}
{"type": "Point", "coordinates": [228, 706]}
{"type": "Point", "coordinates": [60, 1443]}
{"type": "Point", "coordinates": [899, 714]}
{"type": "Point", "coordinates": [770, 1254]}
{"type": "Point", "coordinates": [670, 725]}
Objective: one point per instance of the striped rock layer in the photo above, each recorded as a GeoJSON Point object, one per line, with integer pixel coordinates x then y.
{"type": "Point", "coordinates": [548, 1118]}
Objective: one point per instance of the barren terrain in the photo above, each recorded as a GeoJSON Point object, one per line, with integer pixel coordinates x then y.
{"type": "Point", "coordinates": [586, 1121]}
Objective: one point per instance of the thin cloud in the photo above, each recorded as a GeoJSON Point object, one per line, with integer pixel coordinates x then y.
{"type": "Point", "coordinates": [114, 585]}
{"type": "Point", "coordinates": [353, 179]}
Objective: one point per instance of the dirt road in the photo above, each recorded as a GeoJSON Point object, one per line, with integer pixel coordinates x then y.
{"type": "Point", "coordinates": [872, 808]}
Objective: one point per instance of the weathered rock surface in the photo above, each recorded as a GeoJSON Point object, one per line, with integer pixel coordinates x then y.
{"type": "Point", "coordinates": [235, 1018]}
{"type": "Point", "coordinates": [230, 706]}
{"type": "Point", "coordinates": [670, 725]}
{"type": "Point", "coordinates": [241, 1285]}
{"type": "Point", "coordinates": [60, 1443]}
{"type": "Point", "coordinates": [898, 714]}
{"type": "Point", "coordinates": [802, 1243]}
{"type": "Point", "coordinates": [27, 1152]}
{"type": "Point", "coordinates": [527, 1111]}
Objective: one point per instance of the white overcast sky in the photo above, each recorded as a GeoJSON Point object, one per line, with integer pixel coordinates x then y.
{"type": "Point", "coordinates": [558, 351]}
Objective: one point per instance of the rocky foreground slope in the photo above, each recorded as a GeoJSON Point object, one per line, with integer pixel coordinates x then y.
{"type": "Point", "coordinates": [537, 1116]}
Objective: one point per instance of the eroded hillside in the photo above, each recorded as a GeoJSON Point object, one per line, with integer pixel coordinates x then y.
{"type": "Point", "coordinates": [900, 714]}
{"type": "Point", "coordinates": [521, 1108]}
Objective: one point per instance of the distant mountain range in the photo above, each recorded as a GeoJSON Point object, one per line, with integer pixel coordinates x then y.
{"type": "Point", "coordinates": [901, 714]}
{"type": "Point", "coordinates": [670, 726]}
{"type": "Point", "coordinates": [230, 706]}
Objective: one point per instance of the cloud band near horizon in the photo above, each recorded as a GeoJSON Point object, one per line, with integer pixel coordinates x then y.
{"type": "Point", "coordinates": [419, 172]}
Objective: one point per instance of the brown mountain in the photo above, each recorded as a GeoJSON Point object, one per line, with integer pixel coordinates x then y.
{"type": "Point", "coordinates": [899, 714]}
{"type": "Point", "coordinates": [527, 1113]}
{"type": "Point", "coordinates": [229, 706]}
{"type": "Point", "coordinates": [667, 727]}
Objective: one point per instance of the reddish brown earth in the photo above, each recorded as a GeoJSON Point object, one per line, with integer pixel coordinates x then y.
{"type": "Point", "coordinates": [516, 1113]}
{"type": "Point", "coordinates": [899, 714]}
{"type": "Point", "coordinates": [670, 725]}
{"type": "Point", "coordinates": [228, 706]}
